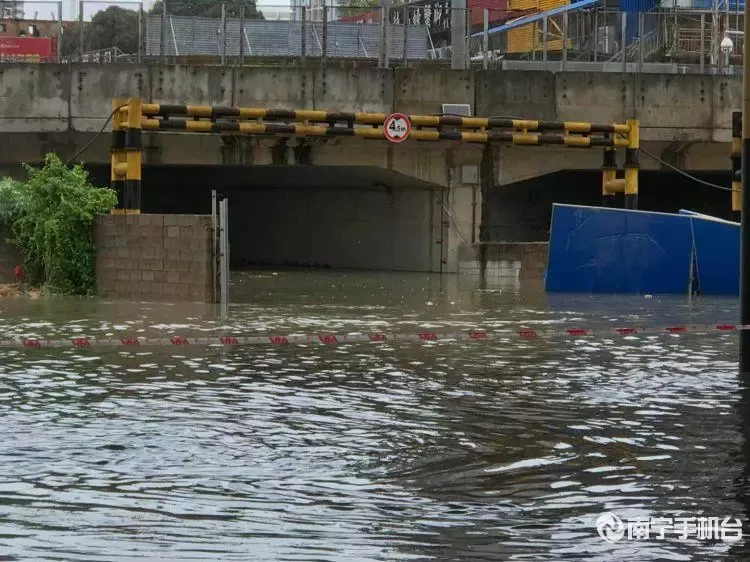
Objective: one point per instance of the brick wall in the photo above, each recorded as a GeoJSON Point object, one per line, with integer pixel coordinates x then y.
{"type": "Point", "coordinates": [154, 257]}
{"type": "Point", "coordinates": [9, 257]}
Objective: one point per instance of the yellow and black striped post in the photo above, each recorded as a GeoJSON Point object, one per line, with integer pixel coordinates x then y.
{"type": "Point", "coordinates": [126, 155]}
{"type": "Point", "coordinates": [609, 173]}
{"type": "Point", "coordinates": [736, 163]}
{"type": "Point", "coordinates": [631, 166]}
{"type": "Point", "coordinates": [118, 156]}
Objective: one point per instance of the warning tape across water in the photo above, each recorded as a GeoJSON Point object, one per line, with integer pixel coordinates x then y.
{"type": "Point", "coordinates": [324, 338]}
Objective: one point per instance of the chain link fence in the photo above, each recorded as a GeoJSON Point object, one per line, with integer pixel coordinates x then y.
{"type": "Point", "coordinates": [231, 39]}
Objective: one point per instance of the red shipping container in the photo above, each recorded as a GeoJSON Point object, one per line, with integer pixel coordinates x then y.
{"type": "Point", "coordinates": [498, 11]}
{"type": "Point", "coordinates": [27, 47]}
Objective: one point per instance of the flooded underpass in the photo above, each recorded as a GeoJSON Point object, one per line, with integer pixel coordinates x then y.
{"type": "Point", "coordinates": [447, 450]}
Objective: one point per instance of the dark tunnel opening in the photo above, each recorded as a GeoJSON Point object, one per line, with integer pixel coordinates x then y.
{"type": "Point", "coordinates": [283, 207]}
{"type": "Point", "coordinates": [521, 211]}
{"type": "Point", "coordinates": [304, 216]}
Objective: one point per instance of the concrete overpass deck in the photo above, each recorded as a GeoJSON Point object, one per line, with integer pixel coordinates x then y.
{"type": "Point", "coordinates": [685, 119]}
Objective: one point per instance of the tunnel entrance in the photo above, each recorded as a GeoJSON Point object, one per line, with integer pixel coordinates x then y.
{"type": "Point", "coordinates": [306, 216]}
{"type": "Point", "coordinates": [520, 212]}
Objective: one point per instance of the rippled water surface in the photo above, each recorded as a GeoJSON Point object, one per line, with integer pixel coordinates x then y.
{"type": "Point", "coordinates": [444, 450]}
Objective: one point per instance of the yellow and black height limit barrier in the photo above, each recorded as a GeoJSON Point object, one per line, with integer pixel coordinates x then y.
{"type": "Point", "coordinates": [628, 184]}
{"type": "Point", "coordinates": [133, 116]}
{"type": "Point", "coordinates": [126, 155]}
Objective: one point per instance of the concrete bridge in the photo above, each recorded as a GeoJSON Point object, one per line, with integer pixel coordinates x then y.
{"type": "Point", "coordinates": [369, 203]}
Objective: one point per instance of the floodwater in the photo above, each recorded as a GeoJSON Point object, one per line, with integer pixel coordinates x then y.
{"type": "Point", "coordinates": [497, 450]}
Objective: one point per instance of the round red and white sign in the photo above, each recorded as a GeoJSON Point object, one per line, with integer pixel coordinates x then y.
{"type": "Point", "coordinates": [396, 127]}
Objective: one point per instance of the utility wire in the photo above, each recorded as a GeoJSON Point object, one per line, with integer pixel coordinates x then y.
{"type": "Point", "coordinates": [450, 216]}
{"type": "Point", "coordinates": [684, 173]}
{"type": "Point", "coordinates": [88, 144]}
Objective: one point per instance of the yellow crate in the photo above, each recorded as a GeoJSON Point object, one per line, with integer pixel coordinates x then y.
{"type": "Point", "coordinates": [529, 38]}
{"type": "Point", "coordinates": [535, 5]}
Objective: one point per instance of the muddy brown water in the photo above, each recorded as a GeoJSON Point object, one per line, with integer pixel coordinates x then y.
{"type": "Point", "coordinates": [502, 450]}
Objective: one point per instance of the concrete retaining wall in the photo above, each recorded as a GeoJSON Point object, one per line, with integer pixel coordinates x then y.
{"type": "Point", "coordinates": [48, 99]}
{"type": "Point", "coordinates": [516, 260]}
{"type": "Point", "coordinates": [154, 257]}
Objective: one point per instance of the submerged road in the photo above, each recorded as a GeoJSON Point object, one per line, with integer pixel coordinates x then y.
{"type": "Point", "coordinates": [442, 450]}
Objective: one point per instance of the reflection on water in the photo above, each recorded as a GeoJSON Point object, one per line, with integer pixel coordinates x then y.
{"type": "Point", "coordinates": [447, 450]}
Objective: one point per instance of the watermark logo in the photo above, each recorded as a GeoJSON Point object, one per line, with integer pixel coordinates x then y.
{"type": "Point", "coordinates": [610, 527]}
{"type": "Point", "coordinates": [613, 529]}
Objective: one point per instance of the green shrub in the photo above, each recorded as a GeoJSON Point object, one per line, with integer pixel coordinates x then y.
{"type": "Point", "coordinates": [11, 192]}
{"type": "Point", "coordinates": [52, 223]}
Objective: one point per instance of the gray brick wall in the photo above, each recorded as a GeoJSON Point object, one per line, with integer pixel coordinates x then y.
{"type": "Point", "coordinates": [10, 256]}
{"type": "Point", "coordinates": [154, 257]}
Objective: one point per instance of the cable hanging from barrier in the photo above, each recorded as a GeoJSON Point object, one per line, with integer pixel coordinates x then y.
{"type": "Point", "coordinates": [686, 174]}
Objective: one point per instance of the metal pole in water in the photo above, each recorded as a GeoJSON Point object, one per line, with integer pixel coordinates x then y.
{"type": "Point", "coordinates": [736, 157]}
{"type": "Point", "coordinates": [224, 250]}
{"type": "Point", "coordinates": [744, 227]}
{"type": "Point", "coordinates": [214, 252]}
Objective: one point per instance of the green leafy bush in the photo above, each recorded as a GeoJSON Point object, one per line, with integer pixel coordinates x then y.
{"type": "Point", "coordinates": [52, 217]}
{"type": "Point", "coordinates": [11, 193]}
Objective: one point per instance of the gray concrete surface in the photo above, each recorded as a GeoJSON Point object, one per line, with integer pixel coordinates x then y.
{"type": "Point", "coordinates": [57, 98]}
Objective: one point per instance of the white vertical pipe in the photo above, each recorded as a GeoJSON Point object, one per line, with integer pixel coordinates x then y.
{"type": "Point", "coordinates": [224, 249]}
{"type": "Point", "coordinates": [486, 37]}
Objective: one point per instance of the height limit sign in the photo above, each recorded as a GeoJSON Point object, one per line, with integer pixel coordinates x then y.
{"type": "Point", "coordinates": [396, 127]}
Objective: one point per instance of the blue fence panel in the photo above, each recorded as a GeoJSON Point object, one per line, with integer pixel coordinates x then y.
{"type": "Point", "coordinates": [717, 254]}
{"type": "Point", "coordinates": [601, 250]}
{"type": "Point", "coordinates": [632, 8]}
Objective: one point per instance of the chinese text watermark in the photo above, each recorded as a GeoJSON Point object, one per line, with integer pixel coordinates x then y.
{"type": "Point", "coordinates": [614, 529]}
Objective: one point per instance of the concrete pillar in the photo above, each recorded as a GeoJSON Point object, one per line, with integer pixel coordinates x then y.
{"type": "Point", "coordinates": [460, 218]}
{"type": "Point", "coordinates": [487, 182]}
{"type": "Point", "coordinates": [458, 35]}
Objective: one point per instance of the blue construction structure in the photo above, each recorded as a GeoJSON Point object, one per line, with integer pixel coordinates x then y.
{"type": "Point", "coordinates": [606, 250]}
{"type": "Point", "coordinates": [630, 7]}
